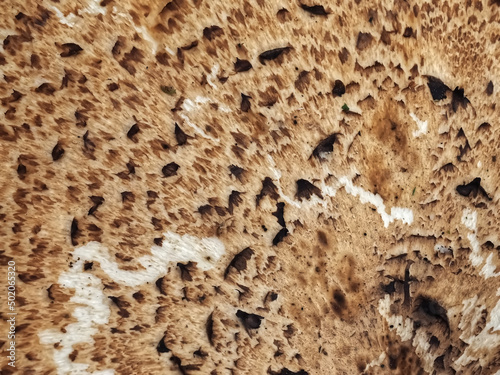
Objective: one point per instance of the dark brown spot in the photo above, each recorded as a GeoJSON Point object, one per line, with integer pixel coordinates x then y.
{"type": "Point", "coordinates": [21, 171]}
{"type": "Point", "coordinates": [128, 196]}
{"type": "Point", "coordinates": [236, 171]}
{"type": "Point", "coordinates": [245, 103]}
{"type": "Point", "coordinates": [458, 99]}
{"type": "Point", "coordinates": [74, 232]}
{"type": "Point", "coordinates": [317, 10]}
{"type": "Point", "coordinates": [205, 209]}
{"type": "Point", "coordinates": [46, 89]}
{"type": "Point", "coordinates": [268, 189]}
{"type": "Point", "coordinates": [408, 32]}
{"type": "Point", "coordinates": [35, 61]}
{"type": "Point", "coordinates": [339, 303]}
{"type": "Point", "coordinates": [186, 270]}
{"type": "Point", "coordinates": [250, 321]}
{"type": "Point", "coordinates": [113, 86]}
{"type": "Point", "coordinates": [305, 190]}
{"type": "Point", "coordinates": [212, 32]}
{"type": "Point", "coordinates": [242, 65]}
{"type": "Point", "coordinates": [280, 236]}
{"type": "Point", "coordinates": [239, 262]}
{"type": "Point", "coordinates": [70, 49]}
{"type": "Point", "coordinates": [322, 238]}
{"type": "Point", "coordinates": [234, 200]}
{"type": "Point", "coordinates": [473, 187]}
{"type": "Point", "coordinates": [343, 55]}
{"type": "Point", "coordinates": [364, 41]}
{"type": "Point", "coordinates": [437, 87]}
{"type": "Point", "coordinates": [133, 131]}
{"type": "Point", "coordinates": [190, 46]}
{"type": "Point", "coordinates": [280, 210]}
{"type": "Point", "coordinates": [283, 14]}
{"type": "Point", "coordinates": [430, 311]}
{"type": "Point", "coordinates": [302, 81]}
{"type": "Point", "coordinates": [489, 88]}
{"type": "Point", "coordinates": [97, 202]}
{"type": "Point", "coordinates": [272, 54]}
{"type": "Point", "coordinates": [57, 152]}
{"type": "Point", "coordinates": [170, 169]}
{"type": "Point", "coordinates": [210, 329]}
{"type": "Point", "coordinates": [338, 88]}
{"type": "Point", "coordinates": [180, 136]}
{"type": "Point", "coordinates": [161, 347]}
{"type": "Point", "coordinates": [324, 147]}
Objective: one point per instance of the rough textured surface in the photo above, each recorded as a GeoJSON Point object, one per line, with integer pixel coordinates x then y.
{"type": "Point", "coordinates": [252, 187]}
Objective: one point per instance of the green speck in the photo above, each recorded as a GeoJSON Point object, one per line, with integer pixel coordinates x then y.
{"type": "Point", "coordinates": [168, 90]}
{"type": "Point", "coordinates": [345, 108]}
{"type": "Point", "coordinates": [413, 193]}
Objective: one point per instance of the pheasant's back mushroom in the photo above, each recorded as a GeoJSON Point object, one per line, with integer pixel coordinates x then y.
{"type": "Point", "coordinates": [251, 187]}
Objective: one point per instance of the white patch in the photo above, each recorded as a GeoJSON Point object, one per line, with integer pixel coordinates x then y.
{"type": "Point", "coordinates": [485, 340]}
{"type": "Point", "coordinates": [188, 105]}
{"type": "Point", "coordinates": [442, 249]}
{"type": "Point", "coordinates": [93, 310]}
{"type": "Point", "coordinates": [479, 164]}
{"type": "Point", "coordinates": [422, 345]}
{"type": "Point", "coordinates": [69, 20]}
{"type": "Point", "coordinates": [376, 362]}
{"type": "Point", "coordinates": [147, 37]}
{"type": "Point", "coordinates": [213, 75]}
{"type": "Point", "coordinates": [489, 268]}
{"type": "Point", "coordinates": [422, 126]}
{"type": "Point", "coordinates": [175, 248]}
{"type": "Point", "coordinates": [469, 219]}
{"type": "Point", "coordinates": [93, 7]}
{"type": "Point", "coordinates": [399, 213]}
{"type": "Point", "coordinates": [404, 329]}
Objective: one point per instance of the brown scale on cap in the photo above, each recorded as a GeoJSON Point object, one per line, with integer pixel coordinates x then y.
{"type": "Point", "coordinates": [130, 126]}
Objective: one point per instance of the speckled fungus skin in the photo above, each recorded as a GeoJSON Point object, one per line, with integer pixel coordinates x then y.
{"type": "Point", "coordinates": [251, 187]}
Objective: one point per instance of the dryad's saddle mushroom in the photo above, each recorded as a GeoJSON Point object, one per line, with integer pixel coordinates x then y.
{"type": "Point", "coordinates": [250, 187]}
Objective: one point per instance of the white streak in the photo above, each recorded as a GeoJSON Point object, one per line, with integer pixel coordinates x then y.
{"type": "Point", "coordinates": [93, 8]}
{"type": "Point", "coordinates": [170, 50]}
{"type": "Point", "coordinates": [489, 268]}
{"type": "Point", "coordinates": [69, 20]}
{"type": "Point", "coordinates": [213, 75]}
{"type": "Point", "coordinates": [376, 362]}
{"type": "Point", "coordinates": [422, 126]}
{"type": "Point", "coordinates": [147, 37]}
{"type": "Point", "coordinates": [175, 248]}
{"type": "Point", "coordinates": [469, 219]}
{"type": "Point", "coordinates": [397, 213]}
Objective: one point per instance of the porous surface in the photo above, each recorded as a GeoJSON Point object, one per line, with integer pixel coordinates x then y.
{"type": "Point", "coordinates": [251, 187]}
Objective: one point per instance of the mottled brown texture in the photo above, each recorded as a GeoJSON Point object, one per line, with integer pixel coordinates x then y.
{"type": "Point", "coordinates": [93, 149]}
